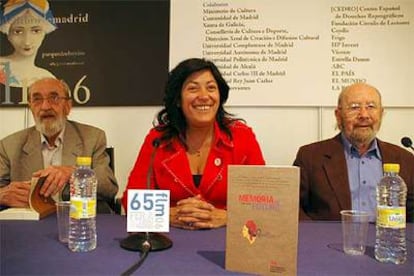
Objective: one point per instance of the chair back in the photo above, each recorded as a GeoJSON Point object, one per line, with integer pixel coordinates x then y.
{"type": "Point", "coordinates": [116, 205]}
{"type": "Point", "coordinates": [111, 154]}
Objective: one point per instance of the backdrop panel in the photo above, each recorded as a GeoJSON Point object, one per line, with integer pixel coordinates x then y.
{"type": "Point", "coordinates": [300, 52]}
{"type": "Point", "coordinates": [111, 53]}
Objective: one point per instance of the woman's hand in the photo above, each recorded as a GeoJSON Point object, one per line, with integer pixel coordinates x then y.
{"type": "Point", "coordinates": [195, 213]}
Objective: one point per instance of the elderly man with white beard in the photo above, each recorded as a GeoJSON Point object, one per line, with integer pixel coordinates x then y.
{"type": "Point", "coordinates": [342, 173]}
{"type": "Point", "coordinates": [49, 149]}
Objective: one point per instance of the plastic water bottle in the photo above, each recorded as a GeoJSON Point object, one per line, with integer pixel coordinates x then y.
{"type": "Point", "coordinates": [82, 222]}
{"type": "Point", "coordinates": [390, 245]}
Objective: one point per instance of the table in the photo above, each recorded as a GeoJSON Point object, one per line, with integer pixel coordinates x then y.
{"type": "Point", "coordinates": [32, 248]}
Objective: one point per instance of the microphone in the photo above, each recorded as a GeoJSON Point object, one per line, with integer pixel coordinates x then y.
{"type": "Point", "coordinates": [406, 141]}
{"type": "Point", "coordinates": [145, 242]}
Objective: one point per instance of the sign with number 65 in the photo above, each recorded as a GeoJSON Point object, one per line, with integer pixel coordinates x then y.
{"type": "Point", "coordinates": [148, 211]}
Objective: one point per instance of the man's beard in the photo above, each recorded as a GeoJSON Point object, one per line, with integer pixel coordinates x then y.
{"type": "Point", "coordinates": [49, 128]}
{"type": "Point", "coordinates": [359, 135]}
{"type": "Point", "coordinates": [365, 137]}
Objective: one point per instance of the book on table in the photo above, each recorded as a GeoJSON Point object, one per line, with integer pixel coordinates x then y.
{"type": "Point", "coordinates": [39, 206]}
{"type": "Point", "coordinates": [262, 219]}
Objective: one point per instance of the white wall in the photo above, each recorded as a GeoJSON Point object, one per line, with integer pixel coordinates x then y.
{"type": "Point", "coordinates": [279, 130]}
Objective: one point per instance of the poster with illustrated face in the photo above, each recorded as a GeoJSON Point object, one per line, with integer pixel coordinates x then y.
{"type": "Point", "coordinates": [111, 53]}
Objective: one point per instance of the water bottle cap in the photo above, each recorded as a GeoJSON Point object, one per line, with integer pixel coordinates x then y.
{"type": "Point", "coordinates": [83, 160]}
{"type": "Point", "coordinates": [392, 167]}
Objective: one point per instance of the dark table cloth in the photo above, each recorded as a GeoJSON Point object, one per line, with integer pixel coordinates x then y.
{"type": "Point", "coordinates": [32, 248]}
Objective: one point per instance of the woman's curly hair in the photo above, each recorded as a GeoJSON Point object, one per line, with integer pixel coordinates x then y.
{"type": "Point", "coordinates": [171, 120]}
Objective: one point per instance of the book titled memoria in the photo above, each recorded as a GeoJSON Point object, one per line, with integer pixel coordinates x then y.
{"type": "Point", "coordinates": [262, 219]}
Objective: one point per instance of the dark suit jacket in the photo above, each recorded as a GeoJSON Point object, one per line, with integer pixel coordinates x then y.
{"type": "Point", "coordinates": [21, 155]}
{"type": "Point", "coordinates": [324, 188]}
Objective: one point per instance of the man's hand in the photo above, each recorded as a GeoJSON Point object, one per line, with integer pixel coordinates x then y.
{"type": "Point", "coordinates": [195, 213]}
{"type": "Point", "coordinates": [15, 194]}
{"type": "Point", "coordinates": [56, 179]}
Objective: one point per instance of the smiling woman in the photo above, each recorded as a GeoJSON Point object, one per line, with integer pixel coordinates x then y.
{"type": "Point", "coordinates": [192, 144]}
{"type": "Point", "coordinates": [25, 24]}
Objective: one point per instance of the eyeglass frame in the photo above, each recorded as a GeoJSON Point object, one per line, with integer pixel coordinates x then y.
{"type": "Point", "coordinates": [53, 99]}
{"type": "Point", "coordinates": [356, 108]}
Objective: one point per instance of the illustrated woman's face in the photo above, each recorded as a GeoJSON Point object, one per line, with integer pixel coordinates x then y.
{"type": "Point", "coordinates": [26, 34]}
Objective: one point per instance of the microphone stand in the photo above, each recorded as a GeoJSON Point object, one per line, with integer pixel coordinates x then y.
{"type": "Point", "coordinates": [144, 253]}
{"type": "Point", "coordinates": [145, 242]}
